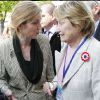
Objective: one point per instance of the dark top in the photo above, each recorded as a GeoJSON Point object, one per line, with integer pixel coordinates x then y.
{"type": "Point", "coordinates": [32, 69]}
{"type": "Point", "coordinates": [97, 32]}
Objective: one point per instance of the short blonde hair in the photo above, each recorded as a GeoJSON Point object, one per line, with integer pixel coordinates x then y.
{"type": "Point", "coordinates": [24, 11]}
{"type": "Point", "coordinates": [78, 15]}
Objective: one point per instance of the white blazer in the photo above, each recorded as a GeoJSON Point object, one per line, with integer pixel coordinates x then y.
{"type": "Point", "coordinates": [82, 81]}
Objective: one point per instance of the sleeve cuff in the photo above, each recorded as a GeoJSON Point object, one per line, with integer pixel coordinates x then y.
{"type": "Point", "coordinates": [6, 91]}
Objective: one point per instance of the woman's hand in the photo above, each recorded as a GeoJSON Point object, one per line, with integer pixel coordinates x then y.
{"type": "Point", "coordinates": [49, 87]}
{"type": "Point", "coordinates": [46, 88]}
{"type": "Point", "coordinates": [11, 97]}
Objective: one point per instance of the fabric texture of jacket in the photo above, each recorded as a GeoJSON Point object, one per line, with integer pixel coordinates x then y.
{"type": "Point", "coordinates": [12, 77]}
{"type": "Point", "coordinates": [82, 81]}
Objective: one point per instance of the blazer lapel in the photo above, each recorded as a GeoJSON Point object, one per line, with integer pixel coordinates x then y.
{"type": "Point", "coordinates": [59, 57]}
{"type": "Point", "coordinates": [76, 63]}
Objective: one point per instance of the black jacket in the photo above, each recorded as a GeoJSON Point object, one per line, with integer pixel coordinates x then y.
{"type": "Point", "coordinates": [97, 32]}
{"type": "Point", "coordinates": [55, 44]}
{"type": "Point", "coordinates": [3, 96]}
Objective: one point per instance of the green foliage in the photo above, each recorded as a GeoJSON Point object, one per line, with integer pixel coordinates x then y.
{"type": "Point", "coordinates": [5, 7]}
{"type": "Point", "coordinates": [42, 2]}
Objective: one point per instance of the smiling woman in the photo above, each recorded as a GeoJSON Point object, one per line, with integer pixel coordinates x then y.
{"type": "Point", "coordinates": [25, 57]}
{"type": "Point", "coordinates": [78, 74]}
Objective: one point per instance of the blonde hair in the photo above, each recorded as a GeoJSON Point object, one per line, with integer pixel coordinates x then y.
{"type": "Point", "coordinates": [78, 15]}
{"type": "Point", "coordinates": [23, 12]}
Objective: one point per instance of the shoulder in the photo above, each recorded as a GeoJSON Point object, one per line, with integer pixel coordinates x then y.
{"type": "Point", "coordinates": [95, 44]}
{"type": "Point", "coordinates": [42, 40]}
{"type": "Point", "coordinates": [5, 41]}
{"type": "Point", "coordinates": [94, 48]}
{"type": "Point", "coordinates": [5, 45]}
{"type": "Point", "coordinates": [44, 44]}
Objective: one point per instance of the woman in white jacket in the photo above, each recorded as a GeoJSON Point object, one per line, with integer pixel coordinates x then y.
{"type": "Point", "coordinates": [78, 72]}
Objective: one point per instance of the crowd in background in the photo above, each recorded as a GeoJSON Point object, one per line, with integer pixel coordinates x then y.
{"type": "Point", "coordinates": [48, 51]}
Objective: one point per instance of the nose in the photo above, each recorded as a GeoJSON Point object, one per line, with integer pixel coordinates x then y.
{"type": "Point", "coordinates": [39, 25]}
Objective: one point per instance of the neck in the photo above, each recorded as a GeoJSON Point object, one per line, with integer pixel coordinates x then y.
{"type": "Point", "coordinates": [47, 28]}
{"type": "Point", "coordinates": [73, 44]}
{"type": "Point", "coordinates": [24, 40]}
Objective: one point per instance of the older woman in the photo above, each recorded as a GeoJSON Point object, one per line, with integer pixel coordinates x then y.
{"type": "Point", "coordinates": [78, 73]}
{"type": "Point", "coordinates": [25, 58]}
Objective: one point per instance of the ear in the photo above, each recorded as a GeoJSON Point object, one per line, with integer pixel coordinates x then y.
{"type": "Point", "coordinates": [97, 9]}
{"type": "Point", "coordinates": [20, 27]}
{"type": "Point", "coordinates": [53, 18]}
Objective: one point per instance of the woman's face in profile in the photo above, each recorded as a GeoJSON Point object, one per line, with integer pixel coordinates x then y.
{"type": "Point", "coordinates": [68, 32]}
{"type": "Point", "coordinates": [31, 28]}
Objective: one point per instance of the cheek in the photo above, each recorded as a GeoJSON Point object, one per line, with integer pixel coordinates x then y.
{"type": "Point", "coordinates": [69, 29]}
{"type": "Point", "coordinates": [33, 30]}
{"type": "Point", "coordinates": [44, 19]}
{"type": "Point", "coordinates": [29, 30]}
{"type": "Point", "coordinates": [64, 29]}
{"type": "Point", "coordinates": [49, 19]}
{"type": "Point", "coordinates": [31, 27]}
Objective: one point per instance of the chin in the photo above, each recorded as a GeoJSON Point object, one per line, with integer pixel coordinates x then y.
{"type": "Point", "coordinates": [34, 37]}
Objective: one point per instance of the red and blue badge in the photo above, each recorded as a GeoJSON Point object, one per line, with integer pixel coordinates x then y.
{"type": "Point", "coordinates": [85, 56]}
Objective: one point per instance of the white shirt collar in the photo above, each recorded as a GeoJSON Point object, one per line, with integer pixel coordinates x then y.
{"type": "Point", "coordinates": [96, 24]}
